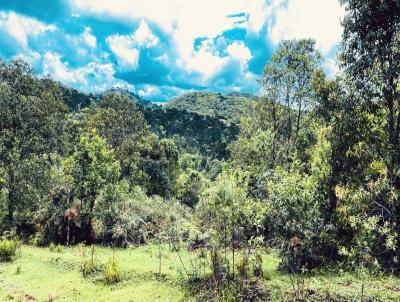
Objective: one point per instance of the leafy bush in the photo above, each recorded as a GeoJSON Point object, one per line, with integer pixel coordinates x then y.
{"type": "Point", "coordinates": [295, 220]}
{"type": "Point", "coordinates": [133, 218]}
{"type": "Point", "coordinates": [89, 264]}
{"type": "Point", "coordinates": [238, 290]}
{"type": "Point", "coordinates": [8, 249]}
{"type": "Point", "coordinates": [38, 239]}
{"type": "Point", "coordinates": [55, 248]}
{"type": "Point", "coordinates": [112, 272]}
{"type": "Point", "coordinates": [109, 273]}
{"type": "Point", "coordinates": [369, 231]}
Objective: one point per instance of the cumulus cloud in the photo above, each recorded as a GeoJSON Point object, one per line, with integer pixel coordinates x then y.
{"type": "Point", "coordinates": [149, 91]}
{"type": "Point", "coordinates": [238, 51]}
{"type": "Point", "coordinates": [21, 28]}
{"type": "Point", "coordinates": [89, 38]}
{"type": "Point", "coordinates": [184, 21]}
{"type": "Point", "coordinates": [93, 77]}
{"type": "Point", "coordinates": [315, 19]}
{"type": "Point", "coordinates": [164, 48]}
{"type": "Point", "coordinates": [203, 61]}
{"type": "Point", "coordinates": [126, 48]}
{"type": "Point", "coordinates": [143, 36]}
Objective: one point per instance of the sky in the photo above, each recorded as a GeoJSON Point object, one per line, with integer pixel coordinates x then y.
{"type": "Point", "coordinates": [160, 49]}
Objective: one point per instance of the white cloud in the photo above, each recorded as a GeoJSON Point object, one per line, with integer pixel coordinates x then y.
{"type": "Point", "coordinates": [29, 56]}
{"type": "Point", "coordinates": [93, 77]}
{"type": "Point", "coordinates": [89, 38]}
{"type": "Point", "coordinates": [238, 51]}
{"type": "Point", "coordinates": [184, 20]}
{"type": "Point", "coordinates": [203, 62]}
{"type": "Point", "coordinates": [149, 91]}
{"type": "Point", "coordinates": [143, 36]}
{"type": "Point", "coordinates": [21, 28]}
{"type": "Point", "coordinates": [315, 19]}
{"type": "Point", "coordinates": [127, 47]}
{"type": "Point", "coordinates": [124, 49]}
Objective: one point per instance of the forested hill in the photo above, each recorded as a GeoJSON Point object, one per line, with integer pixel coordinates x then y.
{"type": "Point", "coordinates": [192, 126]}
{"type": "Point", "coordinates": [201, 122]}
{"type": "Point", "coordinates": [229, 107]}
{"type": "Point", "coordinates": [192, 132]}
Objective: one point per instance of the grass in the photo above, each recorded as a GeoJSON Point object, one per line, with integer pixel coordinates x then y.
{"type": "Point", "coordinates": [49, 276]}
{"type": "Point", "coordinates": [40, 274]}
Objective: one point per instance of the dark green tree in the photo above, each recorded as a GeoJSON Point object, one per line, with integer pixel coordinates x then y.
{"type": "Point", "coordinates": [287, 82]}
{"type": "Point", "coordinates": [370, 55]}
{"type": "Point", "coordinates": [31, 126]}
{"type": "Point", "coordinates": [91, 167]}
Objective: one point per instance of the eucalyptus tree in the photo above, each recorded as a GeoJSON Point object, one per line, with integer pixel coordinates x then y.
{"type": "Point", "coordinates": [118, 119]}
{"type": "Point", "coordinates": [287, 82]}
{"type": "Point", "coordinates": [31, 126]}
{"type": "Point", "coordinates": [370, 54]}
{"type": "Point", "coordinates": [90, 168]}
{"type": "Point", "coordinates": [364, 111]}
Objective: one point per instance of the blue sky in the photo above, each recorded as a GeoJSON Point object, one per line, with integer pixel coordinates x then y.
{"type": "Point", "coordinates": [162, 48]}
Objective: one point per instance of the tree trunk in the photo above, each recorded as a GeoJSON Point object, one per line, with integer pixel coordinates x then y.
{"type": "Point", "coordinates": [10, 206]}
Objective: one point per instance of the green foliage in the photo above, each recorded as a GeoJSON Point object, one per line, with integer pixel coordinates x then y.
{"type": "Point", "coordinates": [32, 118]}
{"type": "Point", "coordinates": [89, 264]}
{"type": "Point", "coordinates": [38, 239]}
{"type": "Point", "coordinates": [9, 249]}
{"type": "Point", "coordinates": [189, 187]}
{"type": "Point", "coordinates": [55, 248]}
{"type": "Point", "coordinates": [230, 107]}
{"type": "Point", "coordinates": [374, 240]}
{"type": "Point", "coordinates": [228, 214]}
{"type": "Point", "coordinates": [112, 272]}
{"type": "Point", "coordinates": [295, 219]}
{"type": "Point", "coordinates": [118, 119]}
{"type": "Point", "coordinates": [91, 167]}
{"type": "Point", "coordinates": [128, 218]}
{"type": "Point", "coordinates": [312, 168]}
{"type": "Point", "coordinates": [159, 163]}
{"type": "Point", "coordinates": [287, 81]}
{"type": "Point", "coordinates": [184, 128]}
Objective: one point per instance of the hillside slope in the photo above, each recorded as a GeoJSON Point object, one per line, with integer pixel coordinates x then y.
{"type": "Point", "coordinates": [229, 107]}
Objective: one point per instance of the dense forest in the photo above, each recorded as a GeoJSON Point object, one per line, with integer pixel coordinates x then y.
{"type": "Point", "coordinates": [310, 168]}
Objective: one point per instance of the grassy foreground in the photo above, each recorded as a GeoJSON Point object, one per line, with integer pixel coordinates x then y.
{"type": "Point", "coordinates": [42, 275]}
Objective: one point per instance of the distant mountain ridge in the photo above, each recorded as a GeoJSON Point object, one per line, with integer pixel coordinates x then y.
{"type": "Point", "coordinates": [229, 107]}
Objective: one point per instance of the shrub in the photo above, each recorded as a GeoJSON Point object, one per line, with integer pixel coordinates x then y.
{"type": "Point", "coordinates": [55, 248]}
{"type": "Point", "coordinates": [133, 218]}
{"type": "Point", "coordinates": [257, 266]}
{"type": "Point", "coordinates": [8, 249]}
{"type": "Point", "coordinates": [243, 266]}
{"type": "Point", "coordinates": [112, 272]}
{"type": "Point", "coordinates": [89, 264]}
{"type": "Point", "coordinates": [38, 239]}
{"type": "Point", "coordinates": [296, 222]}
{"type": "Point", "coordinates": [369, 232]}
{"type": "Point", "coordinates": [238, 290]}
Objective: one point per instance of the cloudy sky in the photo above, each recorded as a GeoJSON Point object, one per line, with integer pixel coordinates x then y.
{"type": "Point", "coordinates": [162, 48]}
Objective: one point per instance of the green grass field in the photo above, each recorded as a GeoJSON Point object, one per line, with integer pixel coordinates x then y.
{"type": "Point", "coordinates": [42, 275]}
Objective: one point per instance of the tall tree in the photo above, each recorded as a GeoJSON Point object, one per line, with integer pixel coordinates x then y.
{"type": "Point", "coordinates": [91, 167]}
{"type": "Point", "coordinates": [118, 119]}
{"type": "Point", "coordinates": [287, 81]}
{"type": "Point", "coordinates": [371, 58]}
{"type": "Point", "coordinates": [31, 126]}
